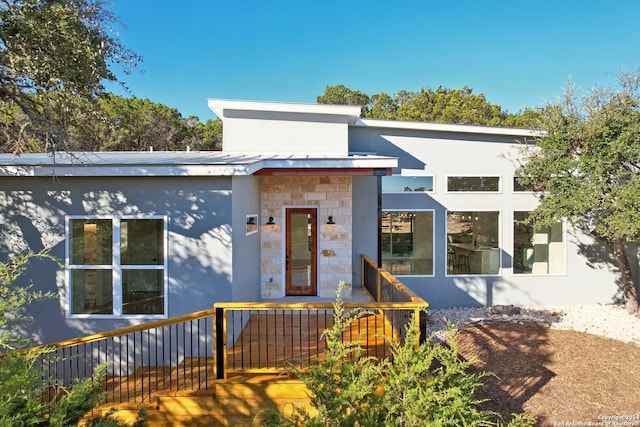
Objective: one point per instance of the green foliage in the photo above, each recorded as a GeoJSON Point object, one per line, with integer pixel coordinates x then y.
{"type": "Point", "coordinates": [342, 95]}
{"type": "Point", "coordinates": [343, 384]}
{"type": "Point", "coordinates": [110, 419]}
{"type": "Point", "coordinates": [586, 168]}
{"type": "Point", "coordinates": [26, 397]}
{"type": "Point", "coordinates": [430, 384]}
{"type": "Point", "coordinates": [13, 298]}
{"type": "Point", "coordinates": [115, 123]}
{"type": "Point", "coordinates": [426, 384]}
{"type": "Point", "coordinates": [440, 105]}
{"type": "Point", "coordinates": [52, 54]}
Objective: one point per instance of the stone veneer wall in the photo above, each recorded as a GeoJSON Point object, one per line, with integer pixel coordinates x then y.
{"type": "Point", "coordinates": [332, 196]}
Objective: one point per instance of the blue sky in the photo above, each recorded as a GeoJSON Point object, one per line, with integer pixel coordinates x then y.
{"type": "Point", "coordinates": [518, 53]}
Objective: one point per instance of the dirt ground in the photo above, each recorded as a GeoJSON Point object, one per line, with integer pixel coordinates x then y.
{"type": "Point", "coordinates": [562, 377]}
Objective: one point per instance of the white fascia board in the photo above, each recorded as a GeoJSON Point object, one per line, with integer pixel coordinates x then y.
{"type": "Point", "coordinates": [126, 171]}
{"type": "Point", "coordinates": [446, 127]}
{"type": "Point", "coordinates": [219, 105]}
{"type": "Point", "coordinates": [325, 163]}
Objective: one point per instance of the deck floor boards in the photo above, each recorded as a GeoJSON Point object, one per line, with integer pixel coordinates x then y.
{"type": "Point", "coordinates": [266, 344]}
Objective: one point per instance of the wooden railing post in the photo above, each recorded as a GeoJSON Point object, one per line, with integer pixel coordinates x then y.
{"type": "Point", "coordinates": [379, 284]}
{"type": "Point", "coordinates": [220, 343]}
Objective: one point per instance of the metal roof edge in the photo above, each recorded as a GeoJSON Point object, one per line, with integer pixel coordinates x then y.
{"type": "Point", "coordinates": [352, 112]}
{"type": "Point", "coordinates": [448, 127]}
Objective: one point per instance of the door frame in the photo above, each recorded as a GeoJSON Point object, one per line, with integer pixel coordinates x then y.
{"type": "Point", "coordinates": [312, 289]}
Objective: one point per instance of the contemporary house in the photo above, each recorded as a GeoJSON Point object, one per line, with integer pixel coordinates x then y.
{"type": "Point", "coordinates": [297, 195]}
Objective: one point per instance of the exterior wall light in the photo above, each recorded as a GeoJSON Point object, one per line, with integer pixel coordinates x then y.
{"type": "Point", "coordinates": [270, 221]}
{"type": "Point", "coordinates": [330, 220]}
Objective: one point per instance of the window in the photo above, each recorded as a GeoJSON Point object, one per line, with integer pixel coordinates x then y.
{"type": "Point", "coordinates": [472, 243]}
{"type": "Point", "coordinates": [407, 242]}
{"type": "Point", "coordinates": [519, 186]}
{"type": "Point", "coordinates": [473, 183]}
{"type": "Point", "coordinates": [116, 267]}
{"type": "Point", "coordinates": [406, 184]}
{"type": "Point", "coordinates": [537, 251]}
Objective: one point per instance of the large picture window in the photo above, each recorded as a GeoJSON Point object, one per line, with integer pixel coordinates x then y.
{"type": "Point", "coordinates": [407, 242]}
{"type": "Point", "coordinates": [472, 242]}
{"type": "Point", "coordinates": [537, 251]}
{"type": "Point", "coordinates": [116, 266]}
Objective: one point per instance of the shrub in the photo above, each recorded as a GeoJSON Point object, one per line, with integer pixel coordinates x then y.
{"type": "Point", "coordinates": [26, 397]}
{"type": "Point", "coordinates": [426, 384]}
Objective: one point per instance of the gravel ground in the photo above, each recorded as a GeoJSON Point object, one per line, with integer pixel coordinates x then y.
{"type": "Point", "coordinates": [609, 321]}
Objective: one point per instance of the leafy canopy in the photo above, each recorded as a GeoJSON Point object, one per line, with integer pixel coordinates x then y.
{"type": "Point", "coordinates": [52, 53]}
{"type": "Point", "coordinates": [440, 105]}
{"type": "Point", "coordinates": [586, 167]}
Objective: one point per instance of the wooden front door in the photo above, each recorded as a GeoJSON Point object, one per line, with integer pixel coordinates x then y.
{"type": "Point", "coordinates": [301, 250]}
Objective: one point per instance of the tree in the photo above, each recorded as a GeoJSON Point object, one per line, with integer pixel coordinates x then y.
{"type": "Point", "coordinates": [13, 298]}
{"type": "Point", "coordinates": [586, 167]}
{"type": "Point", "coordinates": [118, 123]}
{"type": "Point", "coordinates": [52, 53]}
{"type": "Point", "coordinates": [133, 124]}
{"type": "Point", "coordinates": [442, 105]}
{"type": "Point", "coordinates": [342, 95]}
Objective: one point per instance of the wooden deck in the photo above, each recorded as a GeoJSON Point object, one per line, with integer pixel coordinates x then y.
{"type": "Point", "coordinates": [270, 341]}
{"type": "Point", "coordinates": [265, 345]}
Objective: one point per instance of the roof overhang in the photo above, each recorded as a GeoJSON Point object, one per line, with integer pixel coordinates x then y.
{"type": "Point", "coordinates": [449, 128]}
{"type": "Point", "coordinates": [220, 107]}
{"type": "Point", "coordinates": [211, 164]}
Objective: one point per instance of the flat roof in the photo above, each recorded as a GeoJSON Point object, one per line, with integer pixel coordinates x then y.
{"type": "Point", "coordinates": [448, 127]}
{"type": "Point", "coordinates": [350, 112]}
{"type": "Point", "coordinates": [179, 163]}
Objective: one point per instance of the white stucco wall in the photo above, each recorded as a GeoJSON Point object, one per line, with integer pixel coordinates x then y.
{"type": "Point", "coordinates": [589, 277]}
{"type": "Point", "coordinates": [276, 127]}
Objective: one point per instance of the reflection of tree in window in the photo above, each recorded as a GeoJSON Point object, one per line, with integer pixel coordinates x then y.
{"type": "Point", "coordinates": [473, 183]}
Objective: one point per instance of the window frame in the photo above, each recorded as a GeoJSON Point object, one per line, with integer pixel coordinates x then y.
{"type": "Point", "coordinates": [565, 250]}
{"type": "Point", "coordinates": [446, 244]}
{"type": "Point", "coordinates": [412, 174]}
{"type": "Point", "coordinates": [498, 191]}
{"type": "Point", "coordinates": [433, 240]}
{"type": "Point", "coordinates": [116, 267]}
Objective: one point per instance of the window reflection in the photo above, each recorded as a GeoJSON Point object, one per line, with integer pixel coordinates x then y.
{"type": "Point", "coordinates": [537, 251]}
{"type": "Point", "coordinates": [473, 183]}
{"type": "Point", "coordinates": [472, 243]}
{"type": "Point", "coordinates": [407, 242]}
{"type": "Point", "coordinates": [406, 184]}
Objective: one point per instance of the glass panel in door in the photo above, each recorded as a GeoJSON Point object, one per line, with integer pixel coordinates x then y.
{"type": "Point", "coordinates": [301, 251]}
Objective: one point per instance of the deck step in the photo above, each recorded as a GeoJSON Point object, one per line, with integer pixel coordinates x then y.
{"type": "Point", "coordinates": [236, 403]}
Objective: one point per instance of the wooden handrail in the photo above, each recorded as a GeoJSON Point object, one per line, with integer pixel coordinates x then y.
{"type": "Point", "coordinates": [406, 291]}
{"type": "Point", "coordinates": [412, 296]}
{"type": "Point", "coordinates": [129, 329]}
{"type": "Point", "coordinates": [320, 306]}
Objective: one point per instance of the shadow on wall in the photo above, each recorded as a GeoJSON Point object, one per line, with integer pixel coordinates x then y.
{"type": "Point", "coordinates": [599, 257]}
{"type": "Point", "coordinates": [32, 217]}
